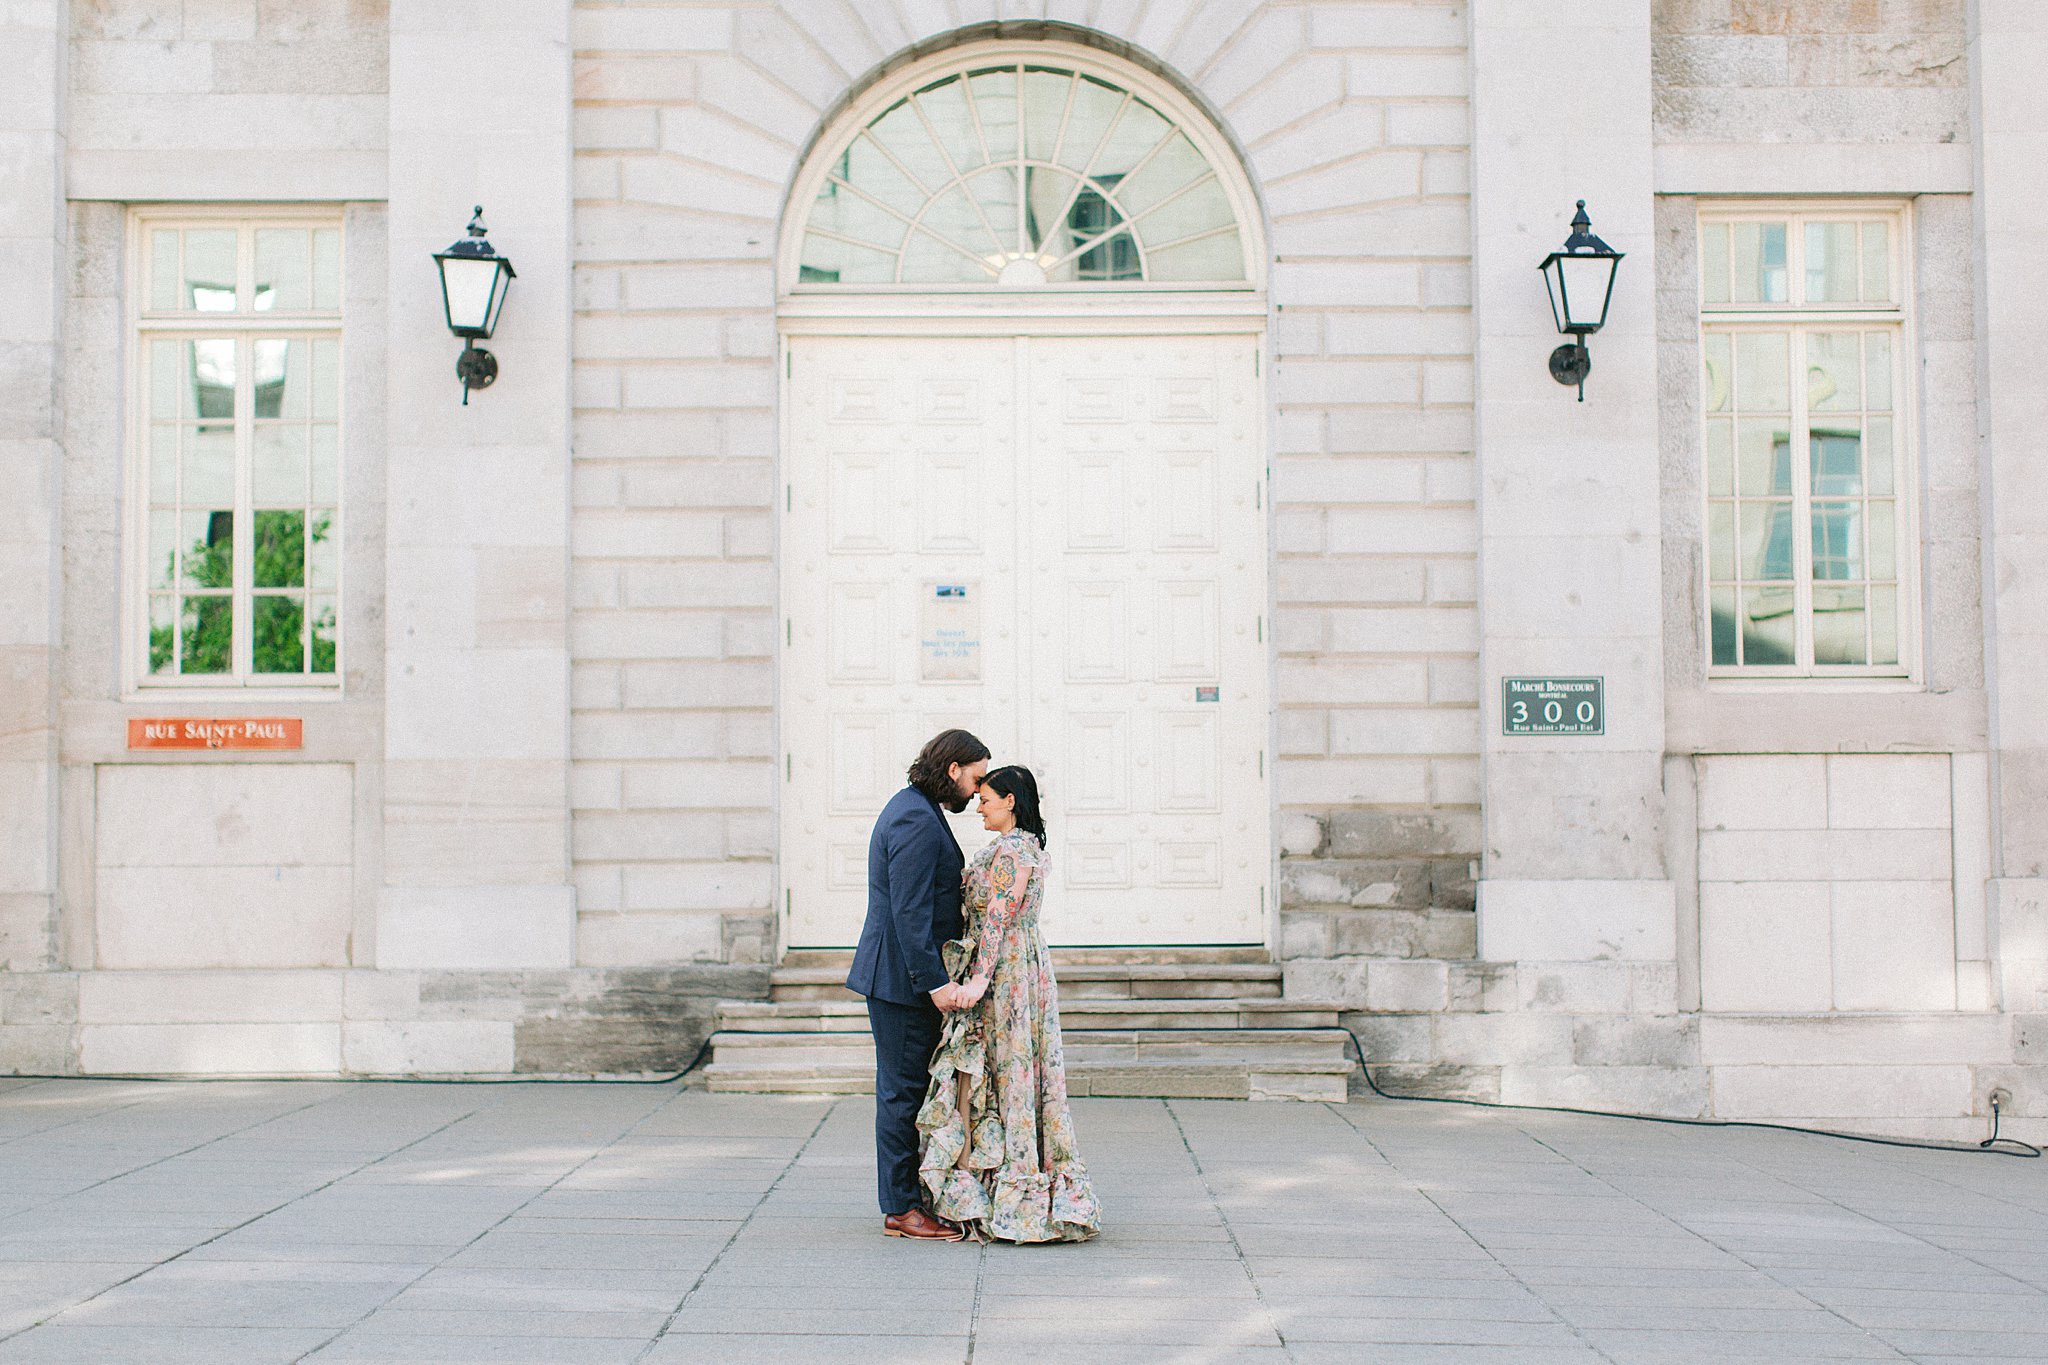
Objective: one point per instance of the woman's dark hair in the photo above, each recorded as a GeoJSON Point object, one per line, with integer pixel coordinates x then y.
{"type": "Point", "coordinates": [1018, 782]}
{"type": "Point", "coordinates": [928, 772]}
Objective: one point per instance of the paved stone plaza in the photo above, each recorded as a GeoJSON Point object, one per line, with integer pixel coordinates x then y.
{"type": "Point", "coordinates": [556, 1224]}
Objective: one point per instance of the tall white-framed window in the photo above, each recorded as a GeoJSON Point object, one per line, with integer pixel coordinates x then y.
{"type": "Point", "coordinates": [234, 543]}
{"type": "Point", "coordinates": [1811, 521]}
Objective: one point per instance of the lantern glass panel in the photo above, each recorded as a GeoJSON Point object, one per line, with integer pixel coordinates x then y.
{"type": "Point", "coordinates": [470, 284]}
{"type": "Point", "coordinates": [1584, 281]}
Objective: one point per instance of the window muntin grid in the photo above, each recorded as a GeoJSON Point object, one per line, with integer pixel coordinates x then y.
{"type": "Point", "coordinates": [1832, 259]}
{"type": "Point", "coordinates": [1021, 173]}
{"type": "Point", "coordinates": [239, 366]}
{"type": "Point", "coordinates": [1829, 598]}
{"type": "Point", "coordinates": [1809, 526]}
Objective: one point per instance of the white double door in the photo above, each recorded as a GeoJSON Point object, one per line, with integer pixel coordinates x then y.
{"type": "Point", "coordinates": [1059, 544]}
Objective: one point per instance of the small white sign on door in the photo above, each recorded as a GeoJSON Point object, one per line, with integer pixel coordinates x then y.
{"type": "Point", "coordinates": [949, 636]}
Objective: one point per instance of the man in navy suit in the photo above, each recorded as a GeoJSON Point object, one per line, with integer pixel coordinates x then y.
{"type": "Point", "coordinates": [914, 865]}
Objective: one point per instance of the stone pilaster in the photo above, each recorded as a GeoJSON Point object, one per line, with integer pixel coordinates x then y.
{"type": "Point", "coordinates": [1573, 864]}
{"type": "Point", "coordinates": [32, 264]}
{"type": "Point", "coordinates": [2009, 134]}
{"type": "Point", "coordinates": [476, 826]}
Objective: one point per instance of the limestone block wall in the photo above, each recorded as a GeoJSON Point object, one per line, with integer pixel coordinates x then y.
{"type": "Point", "coordinates": [1827, 884]}
{"type": "Point", "coordinates": [251, 97]}
{"type": "Point", "coordinates": [1810, 70]}
{"type": "Point", "coordinates": [235, 865]}
{"type": "Point", "coordinates": [2009, 50]}
{"type": "Point", "coordinates": [32, 240]}
{"type": "Point", "coordinates": [1611, 1035]}
{"type": "Point", "coordinates": [1375, 534]}
{"type": "Point", "coordinates": [689, 124]}
{"type": "Point", "coordinates": [363, 1023]}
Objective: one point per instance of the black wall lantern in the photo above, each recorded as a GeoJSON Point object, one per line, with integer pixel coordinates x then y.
{"type": "Point", "coordinates": [474, 278]}
{"type": "Point", "coordinates": [1581, 283]}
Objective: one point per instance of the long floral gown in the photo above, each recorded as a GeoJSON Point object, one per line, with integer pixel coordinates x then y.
{"type": "Point", "coordinates": [1024, 1180]}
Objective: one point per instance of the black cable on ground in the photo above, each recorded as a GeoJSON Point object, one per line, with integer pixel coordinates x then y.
{"type": "Point", "coordinates": [1991, 1146]}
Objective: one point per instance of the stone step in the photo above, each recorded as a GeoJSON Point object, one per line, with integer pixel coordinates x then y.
{"type": "Point", "coordinates": [1247, 955]}
{"type": "Point", "coordinates": [1103, 981]}
{"type": "Point", "coordinates": [825, 1016]}
{"type": "Point", "coordinates": [1130, 1045]}
{"type": "Point", "coordinates": [1223, 1074]}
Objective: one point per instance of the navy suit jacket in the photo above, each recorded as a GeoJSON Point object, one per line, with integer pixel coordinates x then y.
{"type": "Point", "coordinates": [914, 865]}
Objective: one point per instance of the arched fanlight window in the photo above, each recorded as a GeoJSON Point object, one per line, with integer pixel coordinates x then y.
{"type": "Point", "coordinates": [1018, 173]}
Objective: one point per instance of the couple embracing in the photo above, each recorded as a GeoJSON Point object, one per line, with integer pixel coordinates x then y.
{"type": "Point", "coordinates": [972, 1131]}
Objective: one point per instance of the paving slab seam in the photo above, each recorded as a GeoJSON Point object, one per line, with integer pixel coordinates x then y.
{"type": "Point", "coordinates": [510, 1214]}
{"type": "Point", "coordinates": [705, 1274]}
{"type": "Point", "coordinates": [1236, 1247]}
{"type": "Point", "coordinates": [974, 1312]}
{"type": "Point", "coordinates": [1906, 1227]}
{"type": "Point", "coordinates": [1901, 1227]}
{"type": "Point", "coordinates": [1343, 1111]}
{"type": "Point", "coordinates": [66, 1123]}
{"type": "Point", "coordinates": [1729, 1250]}
{"type": "Point", "coordinates": [172, 1156]}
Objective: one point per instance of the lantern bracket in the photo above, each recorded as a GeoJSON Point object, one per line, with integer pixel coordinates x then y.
{"type": "Point", "coordinates": [476, 368]}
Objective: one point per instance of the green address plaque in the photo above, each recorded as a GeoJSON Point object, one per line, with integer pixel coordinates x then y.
{"type": "Point", "coordinates": [1553, 706]}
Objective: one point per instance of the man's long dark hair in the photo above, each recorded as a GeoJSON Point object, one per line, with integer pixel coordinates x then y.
{"type": "Point", "coordinates": [1018, 782]}
{"type": "Point", "coordinates": [929, 772]}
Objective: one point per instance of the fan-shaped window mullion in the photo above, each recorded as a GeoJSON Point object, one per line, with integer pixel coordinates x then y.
{"type": "Point", "coordinates": [1075, 129]}
{"type": "Point", "coordinates": [833, 235]}
{"type": "Point", "coordinates": [910, 225]}
{"type": "Point", "coordinates": [1108, 127]}
{"type": "Point", "coordinates": [995, 159]}
{"type": "Point", "coordinates": [1083, 248]}
{"type": "Point", "coordinates": [1129, 221]}
{"type": "Point", "coordinates": [1185, 190]}
{"type": "Point", "coordinates": [1203, 235]}
{"type": "Point", "coordinates": [1048, 224]}
{"type": "Point", "coordinates": [1138, 167]}
{"type": "Point", "coordinates": [1087, 175]}
{"type": "Point", "coordinates": [1059, 142]}
{"type": "Point", "coordinates": [1081, 183]}
{"type": "Point", "coordinates": [919, 225]}
{"type": "Point", "coordinates": [1022, 246]}
{"type": "Point", "coordinates": [890, 157]}
{"type": "Point", "coordinates": [959, 177]}
{"type": "Point", "coordinates": [988, 153]}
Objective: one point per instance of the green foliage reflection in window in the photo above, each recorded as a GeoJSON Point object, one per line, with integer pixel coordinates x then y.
{"type": "Point", "coordinates": [240, 555]}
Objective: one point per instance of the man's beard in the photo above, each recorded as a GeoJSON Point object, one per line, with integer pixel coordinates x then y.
{"type": "Point", "coordinates": [956, 803]}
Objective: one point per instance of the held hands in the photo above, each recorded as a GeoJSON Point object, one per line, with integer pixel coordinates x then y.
{"type": "Point", "coordinates": [961, 995]}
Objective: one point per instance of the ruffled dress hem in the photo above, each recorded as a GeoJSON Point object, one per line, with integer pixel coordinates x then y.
{"type": "Point", "coordinates": [990, 1202]}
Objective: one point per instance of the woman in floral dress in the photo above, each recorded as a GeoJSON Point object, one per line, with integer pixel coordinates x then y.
{"type": "Point", "coordinates": [998, 1074]}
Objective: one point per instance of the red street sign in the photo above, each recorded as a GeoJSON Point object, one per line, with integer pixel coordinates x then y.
{"type": "Point", "coordinates": [217, 732]}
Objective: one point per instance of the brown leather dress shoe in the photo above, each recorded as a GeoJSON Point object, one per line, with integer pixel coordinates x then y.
{"type": "Point", "coordinates": [920, 1226]}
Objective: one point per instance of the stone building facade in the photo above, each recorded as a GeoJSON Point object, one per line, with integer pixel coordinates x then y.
{"type": "Point", "coordinates": [583, 737]}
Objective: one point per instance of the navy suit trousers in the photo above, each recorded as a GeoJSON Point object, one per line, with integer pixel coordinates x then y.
{"type": "Point", "coordinates": [905, 1038]}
